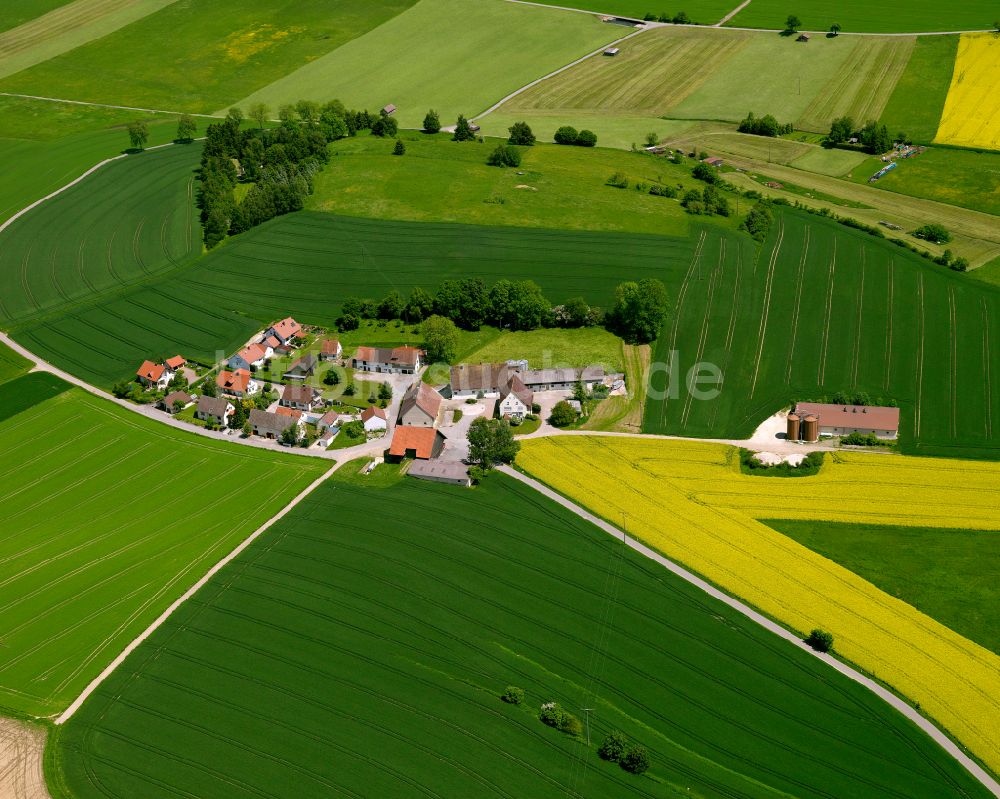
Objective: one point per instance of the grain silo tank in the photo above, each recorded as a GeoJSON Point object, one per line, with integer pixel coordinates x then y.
{"type": "Point", "coordinates": [792, 431]}
{"type": "Point", "coordinates": [810, 428]}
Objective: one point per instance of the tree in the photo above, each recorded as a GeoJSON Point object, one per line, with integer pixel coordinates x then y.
{"type": "Point", "coordinates": [636, 760]}
{"type": "Point", "coordinates": [353, 429]}
{"type": "Point", "coordinates": [491, 442]}
{"type": "Point", "coordinates": [841, 130]}
{"type": "Point", "coordinates": [385, 126]}
{"type": "Point", "coordinates": [400, 148]}
{"type": "Point", "coordinates": [234, 116]}
{"type": "Point", "coordinates": [704, 172]}
{"type": "Point", "coordinates": [563, 414]}
{"type": "Point", "coordinates": [464, 301]}
{"type": "Point", "coordinates": [652, 139]}
{"type": "Point", "coordinates": [576, 312]}
{"type": "Point", "coordinates": [513, 695]}
{"type": "Point", "coordinates": [640, 310]}
{"type": "Point", "coordinates": [567, 134]}
{"type": "Point", "coordinates": [432, 123]}
{"type": "Point", "coordinates": [835, 29]}
{"type": "Point", "coordinates": [793, 23]}
{"type": "Point", "coordinates": [820, 640]}
{"type": "Point", "coordinates": [440, 339]}
{"type": "Point", "coordinates": [681, 18]}
{"type": "Point", "coordinates": [933, 232]}
{"type": "Point", "coordinates": [260, 113]}
{"type": "Point", "coordinates": [419, 306]}
{"type": "Point", "coordinates": [308, 111]}
{"type": "Point", "coordinates": [391, 306]}
{"type": "Point", "coordinates": [463, 130]}
{"type": "Point", "coordinates": [758, 221]}
{"type": "Point", "coordinates": [586, 138]}
{"type": "Point", "coordinates": [614, 747]}
{"type": "Point", "coordinates": [247, 429]}
{"type": "Point", "coordinates": [290, 435]}
{"type": "Point", "coordinates": [504, 155]}
{"type": "Point", "coordinates": [138, 134]}
{"type": "Point", "coordinates": [186, 128]}
{"type": "Point", "coordinates": [286, 113]}
{"type": "Point", "coordinates": [521, 134]}
{"type": "Point", "coordinates": [875, 138]}
{"type": "Point", "coordinates": [331, 378]}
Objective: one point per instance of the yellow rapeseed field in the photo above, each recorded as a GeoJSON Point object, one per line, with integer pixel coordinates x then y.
{"type": "Point", "coordinates": [971, 115]}
{"type": "Point", "coordinates": [690, 501]}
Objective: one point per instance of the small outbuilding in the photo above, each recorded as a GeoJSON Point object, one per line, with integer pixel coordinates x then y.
{"type": "Point", "coordinates": [389, 109]}
{"type": "Point", "coordinates": [803, 37]}
{"type": "Point", "coordinates": [612, 51]}
{"type": "Point", "coordinates": [451, 472]}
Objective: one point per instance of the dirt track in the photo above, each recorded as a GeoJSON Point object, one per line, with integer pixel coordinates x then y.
{"type": "Point", "coordinates": [21, 747]}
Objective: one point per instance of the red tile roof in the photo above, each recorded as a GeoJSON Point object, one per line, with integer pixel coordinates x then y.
{"type": "Point", "coordinates": [233, 381]}
{"type": "Point", "coordinates": [371, 411]}
{"type": "Point", "coordinates": [271, 342]}
{"type": "Point", "coordinates": [419, 439]}
{"type": "Point", "coordinates": [150, 371]}
{"type": "Point", "coordinates": [287, 328]}
{"type": "Point", "coordinates": [253, 353]}
{"type": "Point", "coordinates": [176, 362]}
{"type": "Point", "coordinates": [281, 410]}
{"type": "Point", "coordinates": [331, 346]}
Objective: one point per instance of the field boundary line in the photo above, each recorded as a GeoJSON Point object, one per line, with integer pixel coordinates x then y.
{"type": "Point", "coordinates": [920, 357]}
{"type": "Point", "coordinates": [799, 281]}
{"type": "Point", "coordinates": [106, 105]}
{"type": "Point", "coordinates": [927, 726]}
{"type": "Point", "coordinates": [888, 328]}
{"type": "Point", "coordinates": [731, 14]}
{"type": "Point", "coordinates": [821, 374]}
{"type": "Point", "coordinates": [96, 682]}
{"type": "Point", "coordinates": [765, 311]}
{"type": "Point", "coordinates": [714, 279]}
{"type": "Point", "coordinates": [986, 368]}
{"type": "Point", "coordinates": [953, 353]}
{"type": "Point", "coordinates": [860, 324]}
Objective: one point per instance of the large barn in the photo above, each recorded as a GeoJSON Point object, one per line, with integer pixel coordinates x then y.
{"type": "Point", "coordinates": [842, 420]}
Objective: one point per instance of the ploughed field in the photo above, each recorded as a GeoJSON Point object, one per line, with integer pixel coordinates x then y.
{"type": "Point", "coordinates": [345, 655]}
{"type": "Point", "coordinates": [109, 517]}
{"type": "Point", "coordinates": [691, 502]}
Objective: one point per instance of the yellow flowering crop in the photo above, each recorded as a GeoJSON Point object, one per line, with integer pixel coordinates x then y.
{"type": "Point", "coordinates": [971, 115]}
{"type": "Point", "coordinates": [690, 501]}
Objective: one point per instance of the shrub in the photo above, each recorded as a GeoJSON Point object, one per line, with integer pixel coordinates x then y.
{"type": "Point", "coordinates": [400, 148]}
{"type": "Point", "coordinates": [862, 440]}
{"type": "Point", "coordinates": [353, 429]}
{"type": "Point", "coordinates": [563, 414]}
{"type": "Point", "coordinates": [662, 191]}
{"type": "Point", "coordinates": [570, 724]}
{"type": "Point", "coordinates": [566, 135]}
{"type": "Point", "coordinates": [536, 408]}
{"type": "Point", "coordinates": [521, 134]}
{"type": "Point", "coordinates": [432, 123]}
{"type": "Point", "coordinates": [614, 747]}
{"type": "Point", "coordinates": [636, 760]}
{"type": "Point", "coordinates": [586, 138]}
{"type": "Point", "coordinates": [513, 695]}
{"type": "Point", "coordinates": [550, 713]}
{"type": "Point", "coordinates": [705, 172]}
{"type": "Point", "coordinates": [619, 180]}
{"type": "Point", "coordinates": [820, 640]}
{"type": "Point", "coordinates": [758, 221]}
{"type": "Point", "coordinates": [504, 155]}
{"type": "Point", "coordinates": [470, 401]}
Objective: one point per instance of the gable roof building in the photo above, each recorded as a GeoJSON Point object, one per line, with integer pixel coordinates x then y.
{"type": "Point", "coordinates": [330, 350]}
{"type": "Point", "coordinates": [840, 420]}
{"type": "Point", "coordinates": [299, 396]}
{"type": "Point", "coordinates": [515, 399]}
{"type": "Point", "coordinates": [238, 383]}
{"type": "Point", "coordinates": [415, 442]}
{"type": "Point", "coordinates": [401, 360]}
{"type": "Point", "coordinates": [175, 363]}
{"type": "Point", "coordinates": [285, 330]}
{"type": "Point", "coordinates": [154, 374]}
{"type": "Point", "coordinates": [217, 409]}
{"type": "Point", "coordinates": [374, 418]}
{"type": "Point", "coordinates": [167, 403]}
{"type": "Point", "coordinates": [270, 425]}
{"type": "Point", "coordinates": [250, 355]}
{"type": "Point", "coordinates": [420, 406]}
{"type": "Point", "coordinates": [304, 367]}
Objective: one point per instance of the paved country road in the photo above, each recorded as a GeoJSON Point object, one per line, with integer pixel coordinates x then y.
{"type": "Point", "coordinates": [928, 727]}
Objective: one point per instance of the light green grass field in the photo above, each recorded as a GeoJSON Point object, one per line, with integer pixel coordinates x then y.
{"type": "Point", "coordinates": [14, 14]}
{"type": "Point", "coordinates": [69, 26]}
{"type": "Point", "coordinates": [770, 74]}
{"type": "Point", "coordinates": [821, 309]}
{"type": "Point", "coordinates": [891, 16]}
{"type": "Point", "coordinates": [450, 55]}
{"type": "Point", "coordinates": [830, 162]}
{"type": "Point", "coordinates": [548, 349]}
{"type": "Point", "coordinates": [302, 671]}
{"type": "Point", "coordinates": [918, 100]}
{"type": "Point", "coordinates": [702, 12]}
{"type": "Point", "coordinates": [965, 178]}
{"type": "Point", "coordinates": [109, 518]}
{"type": "Point", "coordinates": [989, 272]}
{"type": "Point", "coordinates": [11, 364]}
{"type": "Point", "coordinates": [947, 574]}
{"type": "Point", "coordinates": [220, 51]}
{"type": "Point", "coordinates": [613, 130]}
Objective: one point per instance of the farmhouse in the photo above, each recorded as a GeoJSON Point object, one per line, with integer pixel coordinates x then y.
{"type": "Point", "coordinates": [420, 406]}
{"type": "Point", "coordinates": [175, 363]}
{"type": "Point", "coordinates": [422, 443]}
{"type": "Point", "coordinates": [214, 409]}
{"type": "Point", "coordinates": [399, 360]}
{"type": "Point", "coordinates": [154, 375]}
{"type": "Point", "coordinates": [515, 399]}
{"type": "Point", "coordinates": [842, 420]}
{"type": "Point", "coordinates": [298, 396]}
{"type": "Point", "coordinates": [270, 425]}
{"type": "Point", "coordinates": [284, 331]}
{"type": "Point", "coordinates": [170, 402]}
{"type": "Point", "coordinates": [330, 350]}
{"type": "Point", "coordinates": [374, 419]}
{"type": "Point", "coordinates": [251, 355]}
{"type": "Point", "coordinates": [304, 367]}
{"type": "Point", "coordinates": [236, 384]}
{"type": "Point", "coordinates": [451, 472]}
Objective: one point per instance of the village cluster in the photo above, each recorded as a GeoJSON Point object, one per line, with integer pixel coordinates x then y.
{"type": "Point", "coordinates": [289, 406]}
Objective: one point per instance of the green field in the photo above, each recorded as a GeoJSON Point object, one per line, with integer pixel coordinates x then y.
{"type": "Point", "coordinates": [966, 178]}
{"type": "Point", "coordinates": [891, 16]}
{"type": "Point", "coordinates": [18, 13]}
{"type": "Point", "coordinates": [108, 518]}
{"type": "Point", "coordinates": [446, 55]}
{"type": "Point", "coordinates": [831, 162]}
{"type": "Point", "coordinates": [823, 309]}
{"type": "Point", "coordinates": [130, 220]}
{"type": "Point", "coordinates": [947, 574]}
{"type": "Point", "coordinates": [301, 671]}
{"type": "Point", "coordinates": [547, 349]}
{"type": "Point", "coordinates": [916, 104]}
{"type": "Point", "coordinates": [619, 131]}
{"type": "Point", "coordinates": [702, 12]}
{"type": "Point", "coordinates": [11, 364]}
{"type": "Point", "coordinates": [220, 51]}
{"type": "Point", "coordinates": [21, 393]}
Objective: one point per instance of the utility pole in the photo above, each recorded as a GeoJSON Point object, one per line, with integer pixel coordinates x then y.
{"type": "Point", "coordinates": [588, 711]}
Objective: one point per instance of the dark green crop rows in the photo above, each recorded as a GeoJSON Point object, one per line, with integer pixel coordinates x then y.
{"type": "Point", "coordinates": [342, 656]}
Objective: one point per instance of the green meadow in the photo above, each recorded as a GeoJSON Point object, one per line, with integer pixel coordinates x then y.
{"type": "Point", "coordinates": [702, 12]}
{"type": "Point", "coordinates": [11, 364]}
{"type": "Point", "coordinates": [18, 13]}
{"type": "Point", "coordinates": [947, 574]}
{"type": "Point", "coordinates": [889, 16]}
{"type": "Point", "coordinates": [450, 55]}
{"type": "Point", "coordinates": [219, 52]}
{"type": "Point", "coordinates": [109, 517]}
{"type": "Point", "coordinates": [301, 671]}
{"type": "Point", "coordinates": [917, 102]}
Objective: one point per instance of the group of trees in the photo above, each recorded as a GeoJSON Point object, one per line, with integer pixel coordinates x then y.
{"type": "Point", "coordinates": [873, 137]}
{"type": "Point", "coordinates": [793, 23]}
{"type": "Point", "coordinates": [766, 125]}
{"type": "Point", "coordinates": [580, 138]}
{"type": "Point", "coordinates": [616, 749]}
{"type": "Point", "coordinates": [680, 18]}
{"type": "Point", "coordinates": [491, 442]}
{"type": "Point", "coordinates": [933, 232]}
{"type": "Point", "coordinates": [759, 220]}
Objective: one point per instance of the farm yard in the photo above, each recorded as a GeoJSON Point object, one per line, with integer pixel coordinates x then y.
{"type": "Point", "coordinates": [824, 308]}
{"type": "Point", "coordinates": [971, 116]}
{"type": "Point", "coordinates": [403, 59]}
{"type": "Point", "coordinates": [220, 51]}
{"type": "Point", "coordinates": [299, 671]}
{"type": "Point", "coordinates": [689, 501]}
{"type": "Point", "coordinates": [107, 519]}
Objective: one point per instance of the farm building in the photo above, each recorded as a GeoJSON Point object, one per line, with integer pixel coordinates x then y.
{"type": "Point", "coordinates": [214, 409]}
{"type": "Point", "coordinates": [422, 443]}
{"type": "Point", "coordinates": [842, 420]}
{"type": "Point", "coordinates": [515, 399]}
{"type": "Point", "coordinates": [612, 51]}
{"type": "Point", "coordinates": [469, 380]}
{"type": "Point", "coordinates": [451, 472]}
{"type": "Point", "coordinates": [399, 360]}
{"type": "Point", "coordinates": [300, 397]}
{"type": "Point", "coordinates": [389, 109]}
{"type": "Point", "coordinates": [803, 37]}
{"type": "Point", "coordinates": [420, 406]}
{"type": "Point", "coordinates": [374, 419]}
{"type": "Point", "coordinates": [304, 367]}
{"type": "Point", "coordinates": [330, 350]}
{"type": "Point", "coordinates": [716, 162]}
{"type": "Point", "coordinates": [270, 425]}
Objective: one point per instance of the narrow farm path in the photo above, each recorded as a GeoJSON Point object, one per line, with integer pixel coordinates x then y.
{"type": "Point", "coordinates": [95, 683]}
{"type": "Point", "coordinates": [898, 704]}
{"type": "Point", "coordinates": [21, 750]}
{"type": "Point", "coordinates": [732, 14]}
{"type": "Point", "coordinates": [105, 105]}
